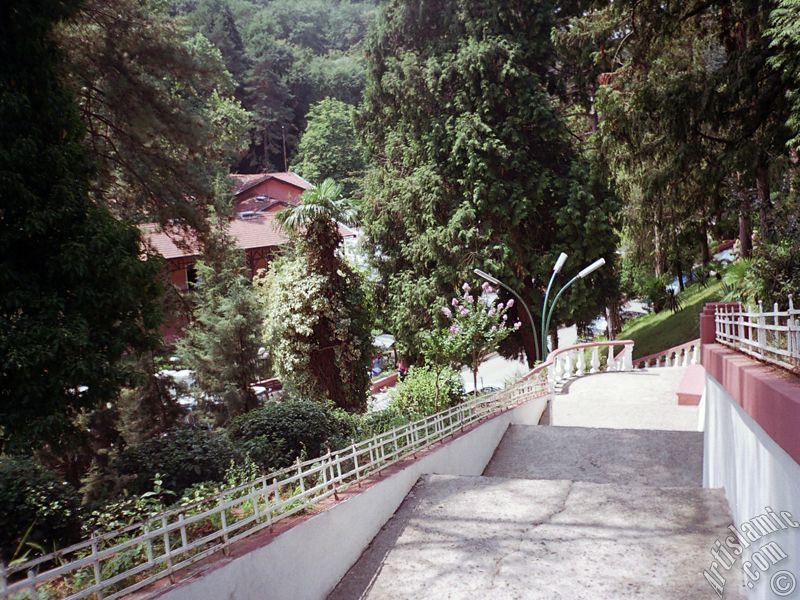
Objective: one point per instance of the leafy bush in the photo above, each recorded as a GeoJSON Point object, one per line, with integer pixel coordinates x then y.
{"type": "Point", "coordinates": [427, 390]}
{"type": "Point", "coordinates": [673, 301]}
{"type": "Point", "coordinates": [372, 423]}
{"type": "Point", "coordinates": [182, 457]}
{"type": "Point", "coordinates": [776, 271]}
{"type": "Point", "coordinates": [654, 290]}
{"type": "Point", "coordinates": [737, 283]}
{"type": "Point", "coordinates": [36, 509]}
{"type": "Point", "coordinates": [275, 435]}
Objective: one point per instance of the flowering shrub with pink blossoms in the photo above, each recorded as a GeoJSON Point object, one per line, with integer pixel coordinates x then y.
{"type": "Point", "coordinates": [476, 325]}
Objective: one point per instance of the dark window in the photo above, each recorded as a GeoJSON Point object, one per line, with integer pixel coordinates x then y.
{"type": "Point", "coordinates": [191, 276]}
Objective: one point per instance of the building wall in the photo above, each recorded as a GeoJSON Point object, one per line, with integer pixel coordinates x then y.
{"type": "Point", "coordinates": [741, 457]}
{"type": "Point", "coordinates": [273, 188]}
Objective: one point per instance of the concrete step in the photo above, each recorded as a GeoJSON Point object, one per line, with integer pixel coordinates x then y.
{"type": "Point", "coordinates": [496, 538]}
{"type": "Point", "coordinates": [621, 456]}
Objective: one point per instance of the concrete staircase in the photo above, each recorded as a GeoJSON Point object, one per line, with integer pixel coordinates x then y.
{"type": "Point", "coordinates": [560, 512]}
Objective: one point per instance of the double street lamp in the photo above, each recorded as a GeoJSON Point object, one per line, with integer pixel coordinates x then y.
{"type": "Point", "coordinates": [546, 314]}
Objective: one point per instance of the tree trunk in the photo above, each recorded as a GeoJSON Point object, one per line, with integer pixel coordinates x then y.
{"type": "Point", "coordinates": [525, 331]}
{"type": "Point", "coordinates": [764, 202]}
{"type": "Point", "coordinates": [679, 273]}
{"type": "Point", "coordinates": [614, 323]}
{"type": "Point", "coordinates": [554, 338]}
{"type": "Point", "coordinates": [704, 249]}
{"type": "Point", "coordinates": [745, 227]}
{"type": "Point", "coordinates": [658, 252]}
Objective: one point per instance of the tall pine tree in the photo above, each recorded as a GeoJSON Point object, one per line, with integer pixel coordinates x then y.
{"type": "Point", "coordinates": [475, 166]}
{"type": "Point", "coordinates": [75, 296]}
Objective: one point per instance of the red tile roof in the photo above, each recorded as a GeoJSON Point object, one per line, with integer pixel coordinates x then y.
{"type": "Point", "coordinates": [174, 243]}
{"type": "Point", "coordinates": [260, 231]}
{"type": "Point", "coordinates": [257, 232]}
{"type": "Point", "coordinates": [243, 182]}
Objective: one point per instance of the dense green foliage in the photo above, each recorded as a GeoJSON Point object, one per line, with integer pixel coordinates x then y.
{"type": "Point", "coordinates": [157, 105]}
{"type": "Point", "coordinates": [318, 321]}
{"type": "Point", "coordinates": [182, 457]}
{"type": "Point", "coordinates": [474, 164]}
{"type": "Point", "coordinates": [330, 147]}
{"type": "Point", "coordinates": [221, 344]}
{"type": "Point", "coordinates": [36, 509]}
{"type": "Point", "coordinates": [277, 434]}
{"type": "Point", "coordinates": [74, 294]}
{"type": "Point", "coordinates": [696, 107]}
{"type": "Point", "coordinates": [285, 55]}
{"type": "Point", "coordinates": [426, 390]}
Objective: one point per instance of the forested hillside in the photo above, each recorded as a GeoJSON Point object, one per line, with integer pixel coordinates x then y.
{"type": "Point", "coordinates": [284, 55]}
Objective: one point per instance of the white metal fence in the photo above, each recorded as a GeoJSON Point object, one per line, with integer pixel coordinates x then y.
{"type": "Point", "coordinates": [117, 563]}
{"type": "Point", "coordinates": [773, 336]}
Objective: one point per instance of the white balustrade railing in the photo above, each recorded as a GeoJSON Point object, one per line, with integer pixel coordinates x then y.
{"type": "Point", "coordinates": [678, 356]}
{"type": "Point", "coordinates": [119, 562]}
{"type": "Point", "coordinates": [772, 336]}
{"type": "Point", "coordinates": [568, 362]}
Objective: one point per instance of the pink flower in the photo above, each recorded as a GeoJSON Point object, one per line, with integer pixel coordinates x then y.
{"type": "Point", "coordinates": [505, 317]}
{"type": "Point", "coordinates": [469, 298]}
{"type": "Point", "coordinates": [517, 325]}
{"type": "Point", "coordinates": [494, 328]}
{"type": "Point", "coordinates": [492, 312]}
{"type": "Point", "coordinates": [454, 329]}
{"type": "Point", "coordinates": [487, 287]}
{"type": "Point", "coordinates": [466, 287]}
{"type": "Point", "coordinates": [510, 303]}
{"type": "Point", "coordinates": [499, 306]}
{"type": "Point", "coordinates": [463, 312]}
{"type": "Point", "coordinates": [454, 302]}
{"type": "Point", "coordinates": [446, 312]}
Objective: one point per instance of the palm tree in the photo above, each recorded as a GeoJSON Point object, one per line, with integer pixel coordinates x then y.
{"type": "Point", "coordinates": [314, 225]}
{"type": "Point", "coordinates": [315, 222]}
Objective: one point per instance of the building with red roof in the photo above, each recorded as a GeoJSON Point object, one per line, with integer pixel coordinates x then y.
{"type": "Point", "coordinates": [254, 227]}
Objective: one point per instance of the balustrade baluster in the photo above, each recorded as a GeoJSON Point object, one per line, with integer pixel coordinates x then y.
{"type": "Point", "coordinates": [581, 363]}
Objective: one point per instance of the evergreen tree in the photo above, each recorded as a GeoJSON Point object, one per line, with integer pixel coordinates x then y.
{"type": "Point", "coordinates": [318, 321]}
{"type": "Point", "coordinates": [222, 343]}
{"type": "Point", "coordinates": [158, 108]}
{"type": "Point", "coordinates": [329, 147]}
{"type": "Point", "coordinates": [475, 166]}
{"type": "Point", "coordinates": [75, 296]}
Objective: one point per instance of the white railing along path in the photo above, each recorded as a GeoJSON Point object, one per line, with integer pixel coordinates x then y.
{"type": "Point", "coordinates": [114, 564]}
{"type": "Point", "coordinates": [772, 336]}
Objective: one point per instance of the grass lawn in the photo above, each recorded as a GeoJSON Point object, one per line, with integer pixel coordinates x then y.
{"type": "Point", "coordinates": [656, 332]}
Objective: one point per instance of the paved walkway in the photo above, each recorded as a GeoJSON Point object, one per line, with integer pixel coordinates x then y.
{"type": "Point", "coordinates": [468, 538]}
{"type": "Point", "coordinates": [643, 399]}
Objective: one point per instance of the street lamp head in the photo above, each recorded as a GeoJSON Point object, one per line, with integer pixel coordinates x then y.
{"type": "Point", "coordinates": [486, 276]}
{"type": "Point", "coordinates": [562, 258]}
{"type": "Point", "coordinates": [592, 267]}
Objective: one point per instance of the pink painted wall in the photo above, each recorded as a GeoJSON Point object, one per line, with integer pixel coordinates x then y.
{"type": "Point", "coordinates": [770, 395]}
{"type": "Point", "coordinates": [272, 188]}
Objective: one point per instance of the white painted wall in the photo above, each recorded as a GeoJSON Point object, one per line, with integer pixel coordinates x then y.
{"type": "Point", "coordinates": [755, 472]}
{"type": "Point", "coordinates": [307, 561]}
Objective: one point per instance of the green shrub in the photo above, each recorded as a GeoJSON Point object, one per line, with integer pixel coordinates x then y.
{"type": "Point", "coordinates": [182, 457]}
{"type": "Point", "coordinates": [424, 392]}
{"type": "Point", "coordinates": [654, 290]}
{"type": "Point", "coordinates": [372, 423]}
{"type": "Point", "coordinates": [275, 435]}
{"type": "Point", "coordinates": [673, 301]}
{"type": "Point", "coordinates": [36, 508]}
